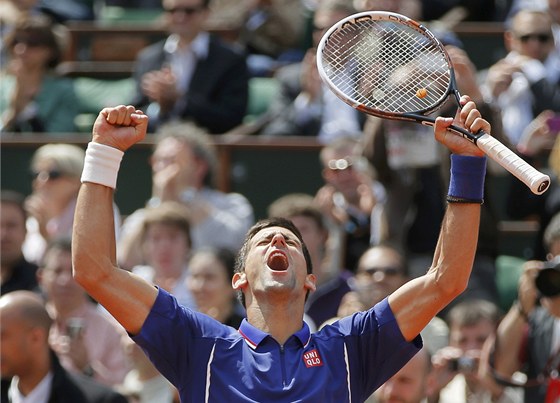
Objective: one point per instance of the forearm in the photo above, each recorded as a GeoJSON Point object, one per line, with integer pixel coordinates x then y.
{"type": "Point", "coordinates": [93, 235]}
{"type": "Point", "coordinates": [509, 338]}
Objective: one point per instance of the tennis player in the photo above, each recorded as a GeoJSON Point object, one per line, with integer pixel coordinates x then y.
{"type": "Point", "coordinates": [272, 357]}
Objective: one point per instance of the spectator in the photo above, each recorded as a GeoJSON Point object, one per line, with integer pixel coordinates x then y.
{"type": "Point", "coordinates": [412, 384]}
{"type": "Point", "coordinates": [351, 199]}
{"type": "Point", "coordinates": [17, 273]}
{"type": "Point", "coordinates": [86, 340]}
{"type": "Point", "coordinates": [191, 75]}
{"type": "Point", "coordinates": [303, 105]}
{"type": "Point", "coordinates": [527, 338]}
{"type": "Point", "coordinates": [381, 270]}
{"type": "Point", "coordinates": [211, 271]}
{"type": "Point", "coordinates": [184, 169]}
{"type": "Point", "coordinates": [456, 367]}
{"type": "Point", "coordinates": [31, 371]}
{"type": "Point", "coordinates": [32, 97]}
{"type": "Point", "coordinates": [332, 281]}
{"type": "Point", "coordinates": [165, 242]}
{"type": "Point", "coordinates": [56, 170]}
{"type": "Point", "coordinates": [525, 83]}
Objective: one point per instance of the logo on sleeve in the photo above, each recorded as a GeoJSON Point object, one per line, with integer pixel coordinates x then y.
{"type": "Point", "coordinates": [312, 359]}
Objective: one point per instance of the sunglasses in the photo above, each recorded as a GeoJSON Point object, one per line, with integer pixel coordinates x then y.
{"type": "Point", "coordinates": [45, 176]}
{"type": "Point", "coordinates": [387, 271]}
{"type": "Point", "coordinates": [185, 10]}
{"type": "Point", "coordinates": [542, 38]}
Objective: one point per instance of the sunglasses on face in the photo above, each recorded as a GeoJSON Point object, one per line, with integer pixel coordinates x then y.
{"type": "Point", "coordinates": [45, 176]}
{"type": "Point", "coordinates": [542, 38]}
{"type": "Point", "coordinates": [185, 10]}
{"type": "Point", "coordinates": [387, 271]}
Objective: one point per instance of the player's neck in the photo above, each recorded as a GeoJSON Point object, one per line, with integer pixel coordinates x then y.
{"type": "Point", "coordinates": [279, 320]}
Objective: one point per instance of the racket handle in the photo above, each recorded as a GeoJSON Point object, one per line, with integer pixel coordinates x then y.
{"type": "Point", "coordinates": [535, 180]}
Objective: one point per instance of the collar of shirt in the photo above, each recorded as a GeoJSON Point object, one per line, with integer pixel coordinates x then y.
{"type": "Point", "coordinates": [40, 394]}
{"type": "Point", "coordinates": [253, 336]}
{"type": "Point", "coordinates": [199, 45]}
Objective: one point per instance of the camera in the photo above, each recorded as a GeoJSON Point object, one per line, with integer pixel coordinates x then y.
{"type": "Point", "coordinates": [463, 364]}
{"type": "Point", "coordinates": [548, 278]}
{"type": "Point", "coordinates": [74, 326]}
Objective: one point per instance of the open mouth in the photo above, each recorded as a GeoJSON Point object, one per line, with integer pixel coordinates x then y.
{"type": "Point", "coordinates": [277, 261]}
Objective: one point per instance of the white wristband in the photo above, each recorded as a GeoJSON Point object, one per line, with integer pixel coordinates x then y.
{"type": "Point", "coordinates": [101, 164]}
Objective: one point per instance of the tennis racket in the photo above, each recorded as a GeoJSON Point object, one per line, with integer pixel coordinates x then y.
{"type": "Point", "coordinates": [387, 65]}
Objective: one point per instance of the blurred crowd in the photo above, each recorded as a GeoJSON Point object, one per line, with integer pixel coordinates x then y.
{"type": "Point", "coordinates": [370, 227]}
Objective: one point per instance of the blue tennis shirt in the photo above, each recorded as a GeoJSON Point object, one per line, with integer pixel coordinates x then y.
{"type": "Point", "coordinates": [210, 362]}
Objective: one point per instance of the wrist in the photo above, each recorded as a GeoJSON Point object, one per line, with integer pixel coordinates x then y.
{"type": "Point", "coordinates": [101, 164]}
{"type": "Point", "coordinates": [466, 183]}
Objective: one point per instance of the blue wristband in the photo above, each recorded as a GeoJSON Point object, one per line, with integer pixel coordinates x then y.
{"type": "Point", "coordinates": [467, 179]}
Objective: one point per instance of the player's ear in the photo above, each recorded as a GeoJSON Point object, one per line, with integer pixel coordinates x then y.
{"type": "Point", "coordinates": [311, 282]}
{"type": "Point", "coordinates": [239, 281]}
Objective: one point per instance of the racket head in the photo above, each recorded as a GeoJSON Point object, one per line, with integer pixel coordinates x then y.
{"type": "Point", "coordinates": [385, 64]}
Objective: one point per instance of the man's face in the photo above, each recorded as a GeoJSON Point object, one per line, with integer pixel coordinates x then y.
{"type": "Point", "coordinates": [57, 281]}
{"type": "Point", "coordinates": [185, 17]}
{"type": "Point", "coordinates": [15, 355]}
{"type": "Point", "coordinates": [209, 283]}
{"type": "Point", "coordinates": [173, 160]}
{"type": "Point", "coordinates": [470, 338]}
{"type": "Point", "coordinates": [13, 232]}
{"type": "Point", "coordinates": [275, 267]}
{"type": "Point", "coordinates": [409, 385]}
{"type": "Point", "coordinates": [379, 273]}
{"type": "Point", "coordinates": [344, 171]}
{"type": "Point", "coordinates": [166, 249]}
{"type": "Point", "coordinates": [532, 36]}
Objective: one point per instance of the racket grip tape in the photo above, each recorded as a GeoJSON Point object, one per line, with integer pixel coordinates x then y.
{"type": "Point", "coordinates": [535, 180]}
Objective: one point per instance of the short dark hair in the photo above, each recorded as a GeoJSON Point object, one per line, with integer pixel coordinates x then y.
{"type": "Point", "coordinates": [256, 228]}
{"type": "Point", "coordinates": [472, 311]}
{"type": "Point", "coordinates": [169, 213]}
{"type": "Point", "coordinates": [38, 30]}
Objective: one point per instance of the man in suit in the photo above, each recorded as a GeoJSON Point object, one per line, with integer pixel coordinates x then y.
{"type": "Point", "coordinates": [191, 75]}
{"type": "Point", "coordinates": [30, 369]}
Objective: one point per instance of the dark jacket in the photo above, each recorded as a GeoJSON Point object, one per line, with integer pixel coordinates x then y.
{"type": "Point", "coordinates": [72, 388]}
{"type": "Point", "coordinates": [218, 93]}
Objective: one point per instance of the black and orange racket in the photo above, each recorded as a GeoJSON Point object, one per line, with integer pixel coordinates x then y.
{"type": "Point", "coordinates": [390, 66]}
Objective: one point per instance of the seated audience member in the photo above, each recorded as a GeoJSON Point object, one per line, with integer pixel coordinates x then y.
{"type": "Point", "coordinates": [412, 384]}
{"type": "Point", "coordinates": [380, 271]}
{"type": "Point", "coordinates": [527, 338]}
{"type": "Point", "coordinates": [184, 169]}
{"type": "Point", "coordinates": [144, 383]}
{"type": "Point", "coordinates": [191, 75]}
{"type": "Point", "coordinates": [351, 200]}
{"type": "Point", "coordinates": [209, 281]}
{"type": "Point", "coordinates": [56, 170]}
{"type": "Point", "coordinates": [332, 282]}
{"type": "Point", "coordinates": [17, 273]}
{"type": "Point", "coordinates": [32, 97]}
{"type": "Point", "coordinates": [456, 367]}
{"type": "Point", "coordinates": [165, 242]}
{"type": "Point", "coordinates": [304, 106]}
{"type": "Point", "coordinates": [86, 339]}
{"type": "Point", "coordinates": [31, 371]}
{"type": "Point", "coordinates": [526, 82]}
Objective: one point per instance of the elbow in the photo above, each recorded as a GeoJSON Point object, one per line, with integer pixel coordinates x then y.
{"type": "Point", "coordinates": [86, 271]}
{"type": "Point", "coordinates": [450, 287]}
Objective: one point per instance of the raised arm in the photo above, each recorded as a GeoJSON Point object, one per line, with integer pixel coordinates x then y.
{"type": "Point", "coordinates": [127, 297]}
{"type": "Point", "coordinates": [418, 301]}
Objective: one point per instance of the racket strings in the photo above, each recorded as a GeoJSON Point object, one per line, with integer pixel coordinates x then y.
{"type": "Point", "coordinates": [385, 66]}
